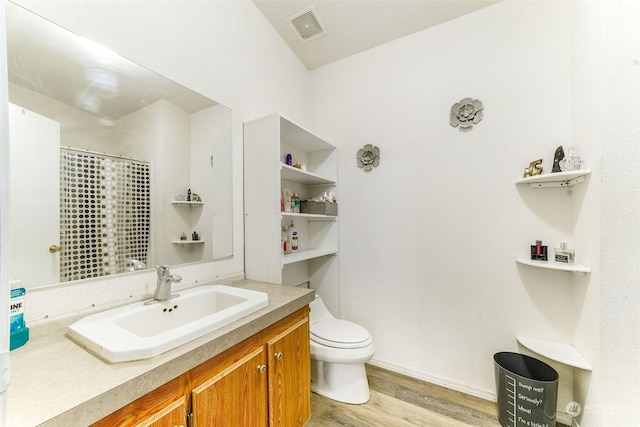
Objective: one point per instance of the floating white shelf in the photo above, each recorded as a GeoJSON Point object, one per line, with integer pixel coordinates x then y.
{"type": "Point", "coordinates": [310, 217]}
{"type": "Point", "coordinates": [552, 265]}
{"type": "Point", "coordinates": [306, 254]}
{"type": "Point", "coordinates": [186, 242]}
{"type": "Point", "coordinates": [289, 173]}
{"type": "Point", "coordinates": [557, 179]}
{"type": "Point", "coordinates": [563, 353]}
{"type": "Point", "coordinates": [185, 203]}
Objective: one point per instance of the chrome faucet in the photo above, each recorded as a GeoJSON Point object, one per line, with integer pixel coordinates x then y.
{"type": "Point", "coordinates": [165, 279]}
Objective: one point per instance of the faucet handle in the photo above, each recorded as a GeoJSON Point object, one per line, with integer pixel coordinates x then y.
{"type": "Point", "coordinates": [162, 270]}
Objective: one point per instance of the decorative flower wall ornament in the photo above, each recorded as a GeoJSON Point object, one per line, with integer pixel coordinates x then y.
{"type": "Point", "coordinates": [368, 157]}
{"type": "Point", "coordinates": [466, 113]}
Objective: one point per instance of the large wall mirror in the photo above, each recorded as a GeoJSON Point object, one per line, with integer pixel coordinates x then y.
{"type": "Point", "coordinates": [114, 168]}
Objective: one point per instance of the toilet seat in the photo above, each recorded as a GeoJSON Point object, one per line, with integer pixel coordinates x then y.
{"type": "Point", "coordinates": [338, 333]}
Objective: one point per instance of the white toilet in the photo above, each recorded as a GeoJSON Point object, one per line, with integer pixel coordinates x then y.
{"type": "Point", "coordinates": [339, 350]}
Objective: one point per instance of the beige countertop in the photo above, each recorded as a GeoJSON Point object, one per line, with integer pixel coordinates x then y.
{"type": "Point", "coordinates": [55, 382]}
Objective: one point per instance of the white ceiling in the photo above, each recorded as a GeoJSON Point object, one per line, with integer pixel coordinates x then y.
{"type": "Point", "coordinates": [357, 25]}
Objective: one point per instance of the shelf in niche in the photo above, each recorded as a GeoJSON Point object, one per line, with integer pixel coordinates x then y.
{"type": "Point", "coordinates": [310, 217]}
{"type": "Point", "coordinates": [306, 254]}
{"type": "Point", "coordinates": [184, 203]}
{"type": "Point", "coordinates": [552, 265]}
{"type": "Point", "coordinates": [557, 179]}
{"type": "Point", "coordinates": [186, 242]}
{"type": "Point", "coordinates": [289, 173]}
{"type": "Point", "coordinates": [560, 352]}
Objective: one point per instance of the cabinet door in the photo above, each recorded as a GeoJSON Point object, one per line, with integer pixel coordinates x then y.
{"type": "Point", "coordinates": [236, 396]}
{"type": "Point", "coordinates": [174, 415]}
{"type": "Point", "coordinates": [289, 365]}
{"type": "Point", "coordinates": [164, 407]}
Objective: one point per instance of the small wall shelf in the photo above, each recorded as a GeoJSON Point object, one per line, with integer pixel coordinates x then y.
{"type": "Point", "coordinates": [306, 254]}
{"type": "Point", "coordinates": [563, 353]}
{"type": "Point", "coordinates": [184, 203]}
{"type": "Point", "coordinates": [552, 265]}
{"type": "Point", "coordinates": [186, 242]}
{"type": "Point", "coordinates": [290, 173]}
{"type": "Point", "coordinates": [556, 179]}
{"type": "Point", "coordinates": [310, 217]}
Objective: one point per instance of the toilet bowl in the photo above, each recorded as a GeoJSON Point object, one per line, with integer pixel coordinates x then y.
{"type": "Point", "coordinates": [339, 350]}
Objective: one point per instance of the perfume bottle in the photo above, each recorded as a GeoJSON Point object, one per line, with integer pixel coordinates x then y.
{"type": "Point", "coordinates": [538, 251]}
{"type": "Point", "coordinates": [564, 255]}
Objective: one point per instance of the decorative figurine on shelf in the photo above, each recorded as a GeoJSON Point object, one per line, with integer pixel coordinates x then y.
{"type": "Point", "coordinates": [571, 162]}
{"type": "Point", "coordinates": [557, 158]}
{"type": "Point", "coordinates": [533, 169]}
{"type": "Point", "coordinates": [188, 195]}
{"type": "Point", "coordinates": [195, 197]}
{"type": "Point", "coordinates": [194, 236]}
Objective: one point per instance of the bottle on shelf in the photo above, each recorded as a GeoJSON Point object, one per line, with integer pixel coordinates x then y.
{"type": "Point", "coordinates": [538, 251]}
{"type": "Point", "coordinates": [564, 255]}
{"type": "Point", "coordinates": [295, 203]}
{"type": "Point", "coordinates": [283, 241]}
{"type": "Point", "coordinates": [287, 239]}
{"type": "Point", "coordinates": [294, 237]}
{"type": "Point", "coordinates": [288, 196]}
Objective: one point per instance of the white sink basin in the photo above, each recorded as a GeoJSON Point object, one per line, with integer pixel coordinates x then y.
{"type": "Point", "coordinates": [139, 331]}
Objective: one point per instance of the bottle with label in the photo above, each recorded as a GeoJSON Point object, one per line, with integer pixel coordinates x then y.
{"type": "Point", "coordinates": [294, 237]}
{"type": "Point", "coordinates": [564, 255]}
{"type": "Point", "coordinates": [283, 241]}
{"type": "Point", "coordinates": [296, 207]}
{"type": "Point", "coordinates": [538, 251]}
{"type": "Point", "coordinates": [288, 194]}
{"type": "Point", "coordinates": [287, 239]}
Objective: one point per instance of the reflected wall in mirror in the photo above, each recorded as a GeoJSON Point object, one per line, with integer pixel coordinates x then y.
{"type": "Point", "coordinates": [102, 150]}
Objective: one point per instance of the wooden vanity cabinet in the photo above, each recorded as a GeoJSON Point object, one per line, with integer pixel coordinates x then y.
{"type": "Point", "coordinates": [289, 368]}
{"type": "Point", "coordinates": [263, 381]}
{"type": "Point", "coordinates": [231, 388]}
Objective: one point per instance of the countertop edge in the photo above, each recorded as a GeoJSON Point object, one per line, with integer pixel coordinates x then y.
{"type": "Point", "coordinates": [186, 357]}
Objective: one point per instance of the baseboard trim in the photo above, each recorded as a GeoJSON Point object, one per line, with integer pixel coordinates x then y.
{"type": "Point", "coordinates": [463, 388]}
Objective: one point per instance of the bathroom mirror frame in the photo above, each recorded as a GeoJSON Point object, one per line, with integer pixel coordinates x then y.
{"type": "Point", "coordinates": [83, 83]}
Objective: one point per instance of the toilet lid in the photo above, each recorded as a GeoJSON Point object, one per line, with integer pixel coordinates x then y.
{"type": "Point", "coordinates": [339, 334]}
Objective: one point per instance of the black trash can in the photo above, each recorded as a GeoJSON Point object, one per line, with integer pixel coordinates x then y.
{"type": "Point", "coordinates": [527, 391]}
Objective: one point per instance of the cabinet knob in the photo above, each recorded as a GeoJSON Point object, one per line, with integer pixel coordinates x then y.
{"type": "Point", "coordinates": [278, 356]}
{"type": "Point", "coordinates": [55, 248]}
{"type": "Point", "coordinates": [262, 368]}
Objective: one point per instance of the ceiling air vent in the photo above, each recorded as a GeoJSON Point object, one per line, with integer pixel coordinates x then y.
{"type": "Point", "coordinates": [307, 24]}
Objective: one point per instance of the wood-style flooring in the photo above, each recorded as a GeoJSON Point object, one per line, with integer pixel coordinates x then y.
{"type": "Point", "coordinates": [398, 400]}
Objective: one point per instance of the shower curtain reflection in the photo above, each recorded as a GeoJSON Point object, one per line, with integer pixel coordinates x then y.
{"type": "Point", "coordinates": [105, 211]}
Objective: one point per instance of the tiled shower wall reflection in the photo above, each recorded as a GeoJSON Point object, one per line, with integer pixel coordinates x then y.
{"type": "Point", "coordinates": [105, 204]}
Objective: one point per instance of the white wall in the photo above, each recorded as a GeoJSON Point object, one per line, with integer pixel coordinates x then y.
{"type": "Point", "coordinates": [430, 237]}
{"type": "Point", "coordinates": [613, 389]}
{"type": "Point", "coordinates": [225, 50]}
